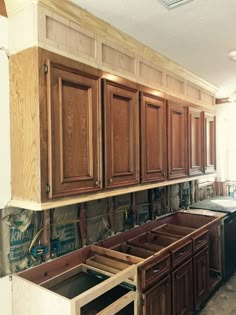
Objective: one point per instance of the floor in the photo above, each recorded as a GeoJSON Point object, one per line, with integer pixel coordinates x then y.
{"type": "Point", "coordinates": [223, 302]}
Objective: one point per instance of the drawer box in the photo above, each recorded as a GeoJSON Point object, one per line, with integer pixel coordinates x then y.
{"type": "Point", "coordinates": [181, 253]}
{"type": "Point", "coordinates": [80, 290]}
{"type": "Point", "coordinates": [200, 241]}
{"type": "Point", "coordinates": [154, 270]}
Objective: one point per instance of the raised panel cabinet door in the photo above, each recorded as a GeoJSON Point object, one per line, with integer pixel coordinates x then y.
{"type": "Point", "coordinates": [201, 277]}
{"type": "Point", "coordinates": [74, 136]}
{"type": "Point", "coordinates": [177, 141]}
{"type": "Point", "coordinates": [182, 289]}
{"type": "Point", "coordinates": [209, 143]}
{"type": "Point", "coordinates": [121, 134]}
{"type": "Point", "coordinates": [196, 148]}
{"type": "Point", "coordinates": [153, 138]}
{"type": "Point", "coordinates": [157, 300]}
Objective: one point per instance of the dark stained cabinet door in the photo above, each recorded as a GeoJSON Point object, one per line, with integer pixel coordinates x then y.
{"type": "Point", "coordinates": [153, 138]}
{"type": "Point", "coordinates": [73, 127]}
{"type": "Point", "coordinates": [177, 141]}
{"type": "Point", "coordinates": [209, 143]}
{"type": "Point", "coordinates": [157, 300]}
{"type": "Point", "coordinates": [196, 149]}
{"type": "Point", "coordinates": [182, 289]}
{"type": "Point", "coordinates": [201, 277]}
{"type": "Point", "coordinates": [121, 134]}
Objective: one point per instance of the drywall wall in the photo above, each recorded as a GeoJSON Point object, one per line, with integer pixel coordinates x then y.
{"type": "Point", "coordinates": [5, 190]}
{"type": "Point", "coordinates": [225, 139]}
{"type": "Point", "coordinates": [6, 296]}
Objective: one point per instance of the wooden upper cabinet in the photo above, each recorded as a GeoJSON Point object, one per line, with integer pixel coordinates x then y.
{"type": "Point", "coordinates": [177, 141]}
{"type": "Point", "coordinates": [153, 138]}
{"type": "Point", "coordinates": [196, 149]}
{"type": "Point", "coordinates": [121, 134]}
{"type": "Point", "coordinates": [209, 142]}
{"type": "Point", "coordinates": [73, 132]}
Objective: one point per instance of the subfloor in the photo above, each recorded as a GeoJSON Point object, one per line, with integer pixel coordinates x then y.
{"type": "Point", "coordinates": [223, 302]}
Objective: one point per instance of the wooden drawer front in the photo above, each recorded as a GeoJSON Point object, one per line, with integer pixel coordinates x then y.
{"type": "Point", "coordinates": [181, 253]}
{"type": "Point", "coordinates": [200, 241]}
{"type": "Point", "coordinates": [154, 270]}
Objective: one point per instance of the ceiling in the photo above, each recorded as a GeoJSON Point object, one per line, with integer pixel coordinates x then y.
{"type": "Point", "coordinates": [197, 35]}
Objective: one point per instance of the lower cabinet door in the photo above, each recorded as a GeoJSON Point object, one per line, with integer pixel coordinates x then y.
{"type": "Point", "coordinates": [157, 300]}
{"type": "Point", "coordinates": [182, 286]}
{"type": "Point", "coordinates": [201, 277]}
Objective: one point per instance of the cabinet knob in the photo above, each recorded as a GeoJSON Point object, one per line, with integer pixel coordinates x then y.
{"type": "Point", "coordinates": [110, 180]}
{"type": "Point", "coordinates": [97, 183]}
{"type": "Point", "coordinates": [164, 173]}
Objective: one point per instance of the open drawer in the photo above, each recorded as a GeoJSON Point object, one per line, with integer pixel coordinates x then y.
{"type": "Point", "coordinates": [80, 290]}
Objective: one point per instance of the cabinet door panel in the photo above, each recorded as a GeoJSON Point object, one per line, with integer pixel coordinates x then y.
{"type": "Point", "coordinates": [157, 300]}
{"type": "Point", "coordinates": [74, 150]}
{"type": "Point", "coordinates": [177, 141]}
{"type": "Point", "coordinates": [209, 143]}
{"type": "Point", "coordinates": [182, 294]}
{"type": "Point", "coordinates": [195, 142]}
{"type": "Point", "coordinates": [121, 135]}
{"type": "Point", "coordinates": [153, 138]}
{"type": "Point", "coordinates": [201, 277]}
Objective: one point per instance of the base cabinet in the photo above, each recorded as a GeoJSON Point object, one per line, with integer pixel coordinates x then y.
{"type": "Point", "coordinates": [157, 300]}
{"type": "Point", "coordinates": [201, 277]}
{"type": "Point", "coordinates": [182, 289]}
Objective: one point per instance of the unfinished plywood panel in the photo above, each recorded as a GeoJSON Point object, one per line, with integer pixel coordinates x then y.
{"type": "Point", "coordinates": [151, 74]}
{"type": "Point", "coordinates": [175, 83]}
{"type": "Point", "coordinates": [207, 99]}
{"type": "Point", "coordinates": [117, 58]}
{"type": "Point", "coordinates": [193, 92]}
{"type": "Point", "coordinates": [24, 116]}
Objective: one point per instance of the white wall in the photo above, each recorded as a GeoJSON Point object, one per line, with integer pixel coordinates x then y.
{"type": "Point", "coordinates": [226, 141]}
{"type": "Point", "coordinates": [6, 296]}
{"type": "Point", "coordinates": [5, 190]}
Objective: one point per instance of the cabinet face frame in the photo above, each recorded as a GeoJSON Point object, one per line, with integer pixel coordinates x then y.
{"type": "Point", "coordinates": [177, 156]}
{"type": "Point", "coordinates": [88, 86]}
{"type": "Point", "coordinates": [196, 143]}
{"type": "Point", "coordinates": [120, 105]}
{"type": "Point", "coordinates": [209, 143]}
{"type": "Point", "coordinates": [153, 155]}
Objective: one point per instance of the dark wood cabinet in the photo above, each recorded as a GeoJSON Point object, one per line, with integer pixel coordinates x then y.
{"type": "Point", "coordinates": [209, 142]}
{"type": "Point", "coordinates": [195, 122]}
{"type": "Point", "coordinates": [153, 138]}
{"type": "Point", "coordinates": [177, 141]}
{"type": "Point", "coordinates": [201, 277]}
{"type": "Point", "coordinates": [157, 300]}
{"type": "Point", "coordinates": [121, 134]}
{"type": "Point", "coordinates": [182, 289]}
{"type": "Point", "coordinates": [73, 132]}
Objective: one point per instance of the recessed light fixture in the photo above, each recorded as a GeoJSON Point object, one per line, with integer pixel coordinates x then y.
{"type": "Point", "coordinates": [173, 3]}
{"type": "Point", "coordinates": [232, 54]}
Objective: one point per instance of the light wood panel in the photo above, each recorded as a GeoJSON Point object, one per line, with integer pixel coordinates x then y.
{"type": "Point", "coordinates": [151, 74]}
{"type": "Point", "coordinates": [25, 136]}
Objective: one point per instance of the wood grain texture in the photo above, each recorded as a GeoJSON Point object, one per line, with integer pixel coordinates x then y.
{"type": "Point", "coordinates": [24, 115]}
{"type": "Point", "coordinates": [196, 146]}
{"type": "Point", "coordinates": [177, 141]}
{"type": "Point", "coordinates": [3, 10]}
{"type": "Point", "coordinates": [153, 138]}
{"type": "Point", "coordinates": [121, 134]}
{"type": "Point", "coordinates": [209, 142]}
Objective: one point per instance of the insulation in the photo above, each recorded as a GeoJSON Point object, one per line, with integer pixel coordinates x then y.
{"type": "Point", "coordinates": [160, 201]}
{"type": "Point", "coordinates": [97, 221]}
{"type": "Point", "coordinates": [142, 206]}
{"type": "Point", "coordinates": [18, 228]}
{"type": "Point", "coordinates": [64, 230]}
{"type": "Point", "coordinates": [174, 200]}
{"type": "Point", "coordinates": [123, 212]}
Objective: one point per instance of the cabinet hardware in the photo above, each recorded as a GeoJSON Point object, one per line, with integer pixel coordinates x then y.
{"type": "Point", "coordinates": [47, 188]}
{"type": "Point", "coordinates": [97, 183]}
{"type": "Point", "coordinates": [157, 269]}
{"type": "Point", "coordinates": [45, 69]}
{"type": "Point", "coordinates": [164, 173]}
{"type": "Point", "coordinates": [110, 180]}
